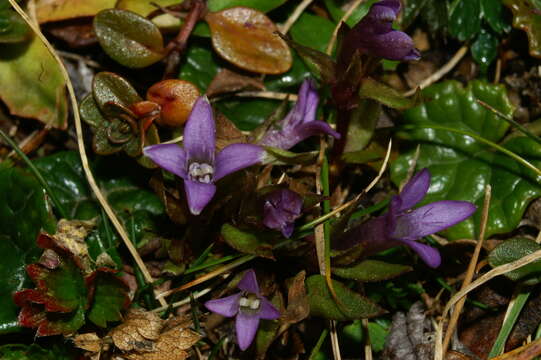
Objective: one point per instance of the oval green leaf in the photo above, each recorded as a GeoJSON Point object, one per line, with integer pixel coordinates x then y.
{"type": "Point", "coordinates": [371, 270]}
{"type": "Point", "coordinates": [512, 250]}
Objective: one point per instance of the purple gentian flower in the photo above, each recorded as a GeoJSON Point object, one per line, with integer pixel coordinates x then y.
{"type": "Point", "coordinates": [402, 225]}
{"type": "Point", "coordinates": [374, 35]}
{"type": "Point", "coordinates": [280, 210]}
{"type": "Point", "coordinates": [248, 305]}
{"type": "Point", "coordinates": [300, 123]}
{"type": "Point", "coordinates": [197, 163]}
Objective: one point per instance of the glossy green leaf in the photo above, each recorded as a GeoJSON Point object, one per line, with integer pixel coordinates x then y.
{"type": "Point", "coordinates": [353, 305]}
{"type": "Point", "coordinates": [514, 249]}
{"type": "Point", "coordinates": [412, 10]}
{"type": "Point", "coordinates": [246, 242]}
{"type": "Point", "coordinates": [312, 31]}
{"type": "Point", "coordinates": [335, 10]}
{"type": "Point", "coordinates": [375, 90]}
{"type": "Point", "coordinates": [465, 19]}
{"type": "Point", "coordinates": [353, 335]}
{"type": "Point", "coordinates": [21, 197]}
{"type": "Point", "coordinates": [261, 5]}
{"type": "Point", "coordinates": [371, 270]}
{"type": "Point", "coordinates": [109, 87]}
{"type": "Point", "coordinates": [12, 27]}
{"type": "Point", "coordinates": [321, 65]}
{"type": "Point", "coordinates": [494, 15]}
{"type": "Point", "coordinates": [485, 48]}
{"type": "Point", "coordinates": [461, 166]}
{"type": "Point", "coordinates": [294, 77]}
{"type": "Point", "coordinates": [109, 298]}
{"type": "Point", "coordinates": [200, 65]}
{"type": "Point", "coordinates": [526, 18]}
{"type": "Point", "coordinates": [247, 114]}
{"type": "Point", "coordinates": [129, 38]}
{"type": "Point", "coordinates": [31, 84]}
{"type": "Point", "coordinates": [138, 208]}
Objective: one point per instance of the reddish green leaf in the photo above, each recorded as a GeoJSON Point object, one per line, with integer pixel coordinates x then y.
{"type": "Point", "coordinates": [110, 296]}
{"type": "Point", "coordinates": [525, 17]}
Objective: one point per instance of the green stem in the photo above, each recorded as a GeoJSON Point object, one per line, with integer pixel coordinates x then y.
{"type": "Point", "coordinates": [480, 139]}
{"type": "Point", "coordinates": [37, 174]}
{"type": "Point", "coordinates": [326, 209]}
{"type": "Point", "coordinates": [319, 343]}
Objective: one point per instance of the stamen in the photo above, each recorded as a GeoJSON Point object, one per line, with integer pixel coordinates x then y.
{"type": "Point", "coordinates": [254, 305]}
{"type": "Point", "coordinates": [200, 172]}
{"type": "Point", "coordinates": [243, 302]}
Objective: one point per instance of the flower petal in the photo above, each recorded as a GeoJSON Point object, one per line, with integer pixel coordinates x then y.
{"type": "Point", "coordinates": [246, 326]}
{"type": "Point", "coordinates": [200, 133]}
{"type": "Point", "coordinates": [170, 157]}
{"type": "Point", "coordinates": [431, 218]}
{"type": "Point", "coordinates": [198, 195]}
{"type": "Point", "coordinates": [392, 45]}
{"type": "Point", "coordinates": [317, 127]}
{"type": "Point", "coordinates": [415, 190]}
{"type": "Point", "coordinates": [306, 106]}
{"type": "Point", "coordinates": [248, 282]}
{"type": "Point", "coordinates": [227, 306]}
{"type": "Point", "coordinates": [268, 311]}
{"type": "Point", "coordinates": [430, 255]}
{"type": "Point", "coordinates": [235, 157]}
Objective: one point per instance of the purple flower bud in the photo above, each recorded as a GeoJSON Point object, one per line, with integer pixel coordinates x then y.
{"type": "Point", "coordinates": [248, 306]}
{"type": "Point", "coordinates": [374, 35]}
{"type": "Point", "coordinates": [280, 210]}
{"type": "Point", "coordinates": [300, 123]}
{"type": "Point", "coordinates": [197, 163]}
{"type": "Point", "coordinates": [402, 224]}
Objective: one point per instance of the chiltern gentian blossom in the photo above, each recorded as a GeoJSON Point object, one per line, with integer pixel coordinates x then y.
{"type": "Point", "coordinates": [280, 210]}
{"type": "Point", "coordinates": [197, 163]}
{"type": "Point", "coordinates": [248, 305]}
{"type": "Point", "coordinates": [300, 123]}
{"type": "Point", "coordinates": [402, 225]}
{"type": "Point", "coordinates": [374, 35]}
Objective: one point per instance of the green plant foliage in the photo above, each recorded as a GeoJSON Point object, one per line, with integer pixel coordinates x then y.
{"type": "Point", "coordinates": [464, 19]}
{"type": "Point", "coordinates": [322, 304]}
{"type": "Point", "coordinates": [108, 300]}
{"type": "Point", "coordinates": [514, 249]}
{"type": "Point", "coordinates": [375, 90]}
{"type": "Point", "coordinates": [371, 270]}
{"type": "Point", "coordinates": [21, 198]}
{"type": "Point", "coordinates": [261, 5]}
{"type": "Point", "coordinates": [527, 19]}
{"type": "Point", "coordinates": [460, 166]}
{"type": "Point", "coordinates": [31, 352]}
{"type": "Point", "coordinates": [200, 65]}
{"type": "Point", "coordinates": [485, 48]}
{"type": "Point", "coordinates": [335, 10]}
{"type": "Point", "coordinates": [434, 14]}
{"type": "Point", "coordinates": [138, 208]}
{"type": "Point", "coordinates": [312, 31]}
{"type": "Point", "coordinates": [493, 14]}
{"type": "Point", "coordinates": [129, 38]}
{"type": "Point", "coordinates": [13, 29]}
{"type": "Point", "coordinates": [246, 242]}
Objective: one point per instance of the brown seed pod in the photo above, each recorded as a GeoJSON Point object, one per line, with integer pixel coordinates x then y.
{"type": "Point", "coordinates": [176, 97]}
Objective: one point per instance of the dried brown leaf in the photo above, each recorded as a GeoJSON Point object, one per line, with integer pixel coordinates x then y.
{"type": "Point", "coordinates": [298, 306]}
{"type": "Point", "coordinates": [137, 331]}
{"type": "Point", "coordinates": [227, 81]}
{"type": "Point", "coordinates": [227, 133]}
{"type": "Point", "coordinates": [89, 342]}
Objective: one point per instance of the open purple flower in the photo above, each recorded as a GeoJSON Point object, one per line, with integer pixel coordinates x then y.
{"type": "Point", "coordinates": [197, 163]}
{"type": "Point", "coordinates": [280, 210]}
{"type": "Point", "coordinates": [402, 225]}
{"type": "Point", "coordinates": [248, 306]}
{"type": "Point", "coordinates": [374, 35]}
{"type": "Point", "coordinates": [300, 123]}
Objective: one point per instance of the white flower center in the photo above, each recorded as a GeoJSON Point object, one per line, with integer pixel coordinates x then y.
{"type": "Point", "coordinates": [250, 302]}
{"type": "Point", "coordinates": [200, 172]}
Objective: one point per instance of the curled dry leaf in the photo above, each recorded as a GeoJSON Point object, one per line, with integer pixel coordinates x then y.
{"type": "Point", "coordinates": [71, 234]}
{"type": "Point", "coordinates": [298, 306]}
{"type": "Point", "coordinates": [247, 38]}
{"type": "Point", "coordinates": [176, 97]}
{"type": "Point", "coordinates": [227, 81]}
{"type": "Point", "coordinates": [89, 342]}
{"type": "Point", "coordinates": [138, 331]}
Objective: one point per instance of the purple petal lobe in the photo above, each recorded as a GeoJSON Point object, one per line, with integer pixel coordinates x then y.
{"type": "Point", "coordinates": [236, 157]}
{"type": "Point", "coordinates": [248, 282]}
{"type": "Point", "coordinates": [306, 107]}
{"type": "Point", "coordinates": [198, 195]}
{"type": "Point", "coordinates": [280, 210]}
{"type": "Point", "coordinates": [227, 306]}
{"type": "Point", "coordinates": [430, 255]}
{"type": "Point", "coordinates": [268, 311]}
{"type": "Point", "coordinates": [200, 133]}
{"type": "Point", "coordinates": [246, 327]}
{"type": "Point", "coordinates": [431, 218]}
{"type": "Point", "coordinates": [170, 157]}
{"type": "Point", "coordinates": [415, 190]}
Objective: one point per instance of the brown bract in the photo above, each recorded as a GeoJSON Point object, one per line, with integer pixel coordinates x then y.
{"type": "Point", "coordinates": [247, 38]}
{"type": "Point", "coordinates": [176, 98]}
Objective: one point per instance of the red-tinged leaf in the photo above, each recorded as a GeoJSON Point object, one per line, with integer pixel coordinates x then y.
{"type": "Point", "coordinates": [247, 38]}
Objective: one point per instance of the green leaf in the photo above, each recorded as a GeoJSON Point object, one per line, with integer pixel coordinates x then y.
{"type": "Point", "coordinates": [261, 5]}
{"type": "Point", "coordinates": [353, 335]}
{"type": "Point", "coordinates": [514, 249]}
{"type": "Point", "coordinates": [31, 84]}
{"type": "Point", "coordinates": [281, 156]}
{"type": "Point", "coordinates": [363, 122]}
{"type": "Point", "coordinates": [109, 87]}
{"type": "Point", "coordinates": [527, 19]}
{"type": "Point", "coordinates": [139, 209]}
{"type": "Point", "coordinates": [353, 305]}
{"type": "Point", "coordinates": [412, 10]}
{"type": "Point", "coordinates": [65, 284]}
{"type": "Point", "coordinates": [485, 48]}
{"type": "Point", "coordinates": [110, 297]}
{"type": "Point", "coordinates": [30, 352]}
{"type": "Point", "coordinates": [245, 242]}
{"type": "Point", "coordinates": [247, 114]}
{"type": "Point", "coordinates": [371, 270]}
{"type": "Point", "coordinates": [461, 166]}
{"type": "Point", "coordinates": [21, 197]}
{"type": "Point", "coordinates": [335, 10]}
{"type": "Point", "coordinates": [375, 90]}
{"type": "Point", "coordinates": [200, 66]}
{"type": "Point", "coordinates": [312, 31]}
{"type": "Point", "coordinates": [493, 14]}
{"type": "Point", "coordinates": [465, 19]}
{"type": "Point", "coordinates": [128, 38]}
{"type": "Point", "coordinates": [293, 77]}
{"type": "Point", "coordinates": [12, 27]}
